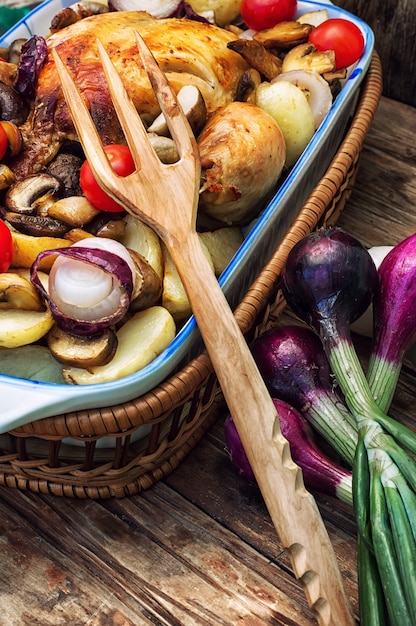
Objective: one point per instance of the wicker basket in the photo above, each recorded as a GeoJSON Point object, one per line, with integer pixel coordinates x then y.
{"type": "Point", "coordinates": [178, 412]}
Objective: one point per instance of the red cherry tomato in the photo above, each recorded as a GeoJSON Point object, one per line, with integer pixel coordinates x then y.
{"type": "Point", "coordinates": [4, 142]}
{"type": "Point", "coordinates": [342, 36]}
{"type": "Point", "coordinates": [122, 163]}
{"type": "Point", "coordinates": [261, 14]}
{"type": "Point", "coordinates": [6, 247]}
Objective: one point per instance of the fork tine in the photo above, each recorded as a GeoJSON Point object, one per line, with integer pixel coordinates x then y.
{"type": "Point", "coordinates": [131, 123]}
{"type": "Point", "coordinates": [83, 122]}
{"type": "Point", "coordinates": [175, 118]}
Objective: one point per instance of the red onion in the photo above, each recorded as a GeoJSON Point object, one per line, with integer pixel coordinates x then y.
{"type": "Point", "coordinates": [320, 473]}
{"type": "Point", "coordinates": [78, 322]}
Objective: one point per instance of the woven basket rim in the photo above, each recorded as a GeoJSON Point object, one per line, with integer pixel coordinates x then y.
{"type": "Point", "coordinates": [180, 386]}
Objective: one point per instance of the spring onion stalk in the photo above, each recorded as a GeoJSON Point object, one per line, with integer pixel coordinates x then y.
{"type": "Point", "coordinates": [372, 606]}
{"type": "Point", "coordinates": [394, 320]}
{"type": "Point", "coordinates": [296, 370]}
{"type": "Point", "coordinates": [328, 281]}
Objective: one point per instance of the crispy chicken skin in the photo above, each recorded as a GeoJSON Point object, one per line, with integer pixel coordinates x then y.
{"type": "Point", "coordinates": [190, 52]}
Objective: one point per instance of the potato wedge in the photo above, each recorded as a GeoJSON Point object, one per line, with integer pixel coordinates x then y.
{"type": "Point", "coordinates": [26, 249]}
{"type": "Point", "coordinates": [142, 239]}
{"type": "Point", "coordinates": [222, 244]}
{"type": "Point", "coordinates": [174, 297]}
{"type": "Point", "coordinates": [140, 340]}
{"type": "Point", "coordinates": [19, 328]}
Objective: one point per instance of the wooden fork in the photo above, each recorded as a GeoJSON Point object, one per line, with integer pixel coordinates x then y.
{"type": "Point", "coordinates": [166, 198]}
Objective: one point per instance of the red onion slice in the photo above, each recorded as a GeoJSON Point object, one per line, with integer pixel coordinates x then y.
{"type": "Point", "coordinates": [112, 264]}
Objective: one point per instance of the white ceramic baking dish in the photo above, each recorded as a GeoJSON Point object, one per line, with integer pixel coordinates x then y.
{"type": "Point", "coordinates": [23, 401]}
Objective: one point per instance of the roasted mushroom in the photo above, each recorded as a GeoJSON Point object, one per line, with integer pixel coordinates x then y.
{"type": "Point", "coordinates": [83, 351]}
{"type": "Point", "coordinates": [32, 193]}
{"type": "Point", "coordinates": [76, 211]}
{"type": "Point", "coordinates": [16, 292]}
{"type": "Point", "coordinates": [12, 106]}
{"type": "Point", "coordinates": [193, 105]}
{"type": "Point", "coordinates": [307, 57]}
{"type": "Point", "coordinates": [66, 168]}
{"type": "Point", "coordinates": [258, 57]}
{"type": "Point", "coordinates": [7, 177]}
{"type": "Point", "coordinates": [36, 225]}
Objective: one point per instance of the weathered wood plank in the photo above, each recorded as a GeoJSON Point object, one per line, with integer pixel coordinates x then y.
{"type": "Point", "coordinates": [151, 559]}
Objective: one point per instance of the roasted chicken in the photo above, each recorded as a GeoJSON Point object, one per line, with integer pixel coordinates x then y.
{"type": "Point", "coordinates": [190, 52]}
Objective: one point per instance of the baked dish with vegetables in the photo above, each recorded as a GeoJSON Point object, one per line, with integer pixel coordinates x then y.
{"type": "Point", "coordinates": [88, 285]}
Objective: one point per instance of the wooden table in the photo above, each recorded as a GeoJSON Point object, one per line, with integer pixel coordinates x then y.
{"type": "Point", "coordinates": [198, 548]}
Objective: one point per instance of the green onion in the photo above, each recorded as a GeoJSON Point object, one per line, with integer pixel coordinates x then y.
{"type": "Point", "coordinates": [328, 281]}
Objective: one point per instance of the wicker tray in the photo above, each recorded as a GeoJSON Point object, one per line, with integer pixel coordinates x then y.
{"type": "Point", "coordinates": [108, 462]}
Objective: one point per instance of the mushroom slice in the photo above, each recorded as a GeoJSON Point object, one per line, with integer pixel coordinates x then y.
{"type": "Point", "coordinates": [7, 177]}
{"type": "Point", "coordinates": [257, 56]}
{"type": "Point", "coordinates": [33, 193]}
{"type": "Point", "coordinates": [15, 50]}
{"type": "Point", "coordinates": [247, 85]}
{"type": "Point", "coordinates": [12, 106]}
{"type": "Point", "coordinates": [16, 292]}
{"type": "Point", "coordinates": [148, 284]}
{"type": "Point", "coordinates": [193, 105]}
{"type": "Point", "coordinates": [76, 211]}
{"type": "Point", "coordinates": [66, 168]}
{"type": "Point", "coordinates": [284, 35]}
{"type": "Point", "coordinates": [77, 351]}
{"type": "Point", "coordinates": [36, 225]}
{"type": "Point", "coordinates": [164, 147]}
{"type": "Point", "coordinates": [113, 229]}
{"type": "Point", "coordinates": [307, 57]}
{"type": "Point", "coordinates": [314, 18]}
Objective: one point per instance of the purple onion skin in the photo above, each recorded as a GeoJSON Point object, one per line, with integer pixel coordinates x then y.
{"type": "Point", "coordinates": [293, 365]}
{"type": "Point", "coordinates": [329, 280]}
{"type": "Point", "coordinates": [33, 57]}
{"type": "Point", "coordinates": [320, 473]}
{"type": "Point", "coordinates": [394, 303]}
{"type": "Point", "coordinates": [108, 262]}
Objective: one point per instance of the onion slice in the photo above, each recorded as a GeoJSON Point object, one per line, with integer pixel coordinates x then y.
{"type": "Point", "coordinates": [89, 288]}
{"type": "Point", "coordinates": [316, 89]}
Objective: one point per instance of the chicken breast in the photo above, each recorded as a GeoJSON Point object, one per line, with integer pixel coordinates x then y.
{"type": "Point", "coordinates": [190, 52]}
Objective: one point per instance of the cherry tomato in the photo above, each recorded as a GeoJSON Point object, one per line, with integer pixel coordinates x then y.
{"type": "Point", "coordinates": [122, 163]}
{"type": "Point", "coordinates": [342, 36]}
{"type": "Point", "coordinates": [261, 14]}
{"type": "Point", "coordinates": [6, 247]}
{"type": "Point", "coordinates": [4, 142]}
